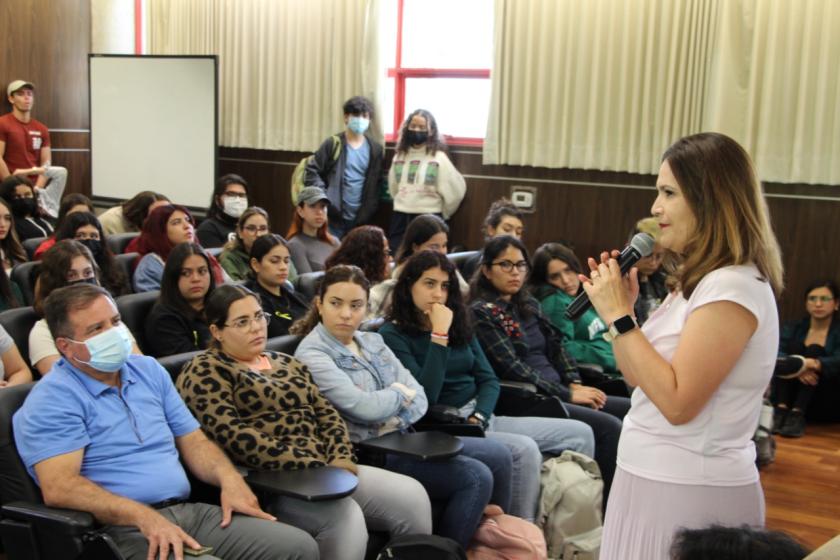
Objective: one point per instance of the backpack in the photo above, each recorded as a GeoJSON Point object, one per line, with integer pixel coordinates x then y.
{"type": "Point", "coordinates": [765, 443]}
{"type": "Point", "coordinates": [421, 547]}
{"type": "Point", "coordinates": [299, 174]}
{"type": "Point", "coordinates": [570, 505]}
{"type": "Point", "coordinates": [505, 537]}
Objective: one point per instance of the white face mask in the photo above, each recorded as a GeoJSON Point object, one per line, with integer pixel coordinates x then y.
{"type": "Point", "coordinates": [234, 206]}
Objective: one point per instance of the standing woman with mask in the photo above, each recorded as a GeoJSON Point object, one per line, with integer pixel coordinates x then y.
{"type": "Point", "coordinates": [85, 228]}
{"type": "Point", "coordinates": [30, 221]}
{"type": "Point", "coordinates": [229, 202]}
{"type": "Point", "coordinates": [702, 361]}
{"type": "Point", "coordinates": [422, 180]}
{"type": "Point", "coordinates": [68, 262]}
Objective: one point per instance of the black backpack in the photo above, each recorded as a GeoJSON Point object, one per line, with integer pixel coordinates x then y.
{"type": "Point", "coordinates": [421, 547]}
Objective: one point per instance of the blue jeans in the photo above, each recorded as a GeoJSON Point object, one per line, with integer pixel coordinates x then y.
{"type": "Point", "coordinates": [499, 459]}
{"type": "Point", "coordinates": [462, 483]}
{"type": "Point", "coordinates": [528, 439]}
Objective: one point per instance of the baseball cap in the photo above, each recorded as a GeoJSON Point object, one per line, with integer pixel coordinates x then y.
{"type": "Point", "coordinates": [18, 84]}
{"type": "Point", "coordinates": [311, 195]}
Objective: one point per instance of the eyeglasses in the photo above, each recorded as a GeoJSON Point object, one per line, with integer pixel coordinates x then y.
{"type": "Point", "coordinates": [244, 323]}
{"type": "Point", "coordinates": [823, 299]}
{"type": "Point", "coordinates": [236, 194]}
{"type": "Point", "coordinates": [255, 229]}
{"type": "Point", "coordinates": [507, 266]}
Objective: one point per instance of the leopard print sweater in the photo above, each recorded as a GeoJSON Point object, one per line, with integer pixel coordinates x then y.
{"type": "Point", "coordinates": [271, 420]}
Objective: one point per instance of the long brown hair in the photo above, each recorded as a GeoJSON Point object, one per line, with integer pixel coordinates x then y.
{"type": "Point", "coordinates": [334, 275]}
{"type": "Point", "coordinates": [718, 180]}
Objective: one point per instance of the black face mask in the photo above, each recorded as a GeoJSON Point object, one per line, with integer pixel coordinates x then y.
{"type": "Point", "coordinates": [95, 247]}
{"type": "Point", "coordinates": [416, 137]}
{"type": "Point", "coordinates": [22, 207]}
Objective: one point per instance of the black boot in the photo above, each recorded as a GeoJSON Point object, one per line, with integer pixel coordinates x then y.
{"type": "Point", "coordinates": [779, 417]}
{"type": "Point", "coordinates": [794, 426]}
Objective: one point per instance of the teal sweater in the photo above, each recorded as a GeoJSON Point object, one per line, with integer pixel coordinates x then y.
{"type": "Point", "coordinates": [584, 338]}
{"type": "Point", "coordinates": [451, 376]}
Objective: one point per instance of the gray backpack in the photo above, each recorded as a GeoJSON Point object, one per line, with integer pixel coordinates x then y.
{"type": "Point", "coordinates": [570, 506]}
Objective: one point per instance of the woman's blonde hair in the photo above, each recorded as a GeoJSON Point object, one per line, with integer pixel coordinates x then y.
{"type": "Point", "coordinates": [718, 180]}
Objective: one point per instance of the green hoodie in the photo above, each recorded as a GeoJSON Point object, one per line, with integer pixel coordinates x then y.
{"type": "Point", "coordinates": [583, 339]}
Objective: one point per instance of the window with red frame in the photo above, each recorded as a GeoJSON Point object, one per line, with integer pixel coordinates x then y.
{"type": "Point", "coordinates": [438, 54]}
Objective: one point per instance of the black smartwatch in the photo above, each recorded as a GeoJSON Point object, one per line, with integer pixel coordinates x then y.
{"type": "Point", "coordinates": [619, 327]}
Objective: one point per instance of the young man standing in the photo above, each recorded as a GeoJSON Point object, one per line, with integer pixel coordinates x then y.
{"type": "Point", "coordinates": [25, 147]}
{"type": "Point", "coordinates": [352, 180]}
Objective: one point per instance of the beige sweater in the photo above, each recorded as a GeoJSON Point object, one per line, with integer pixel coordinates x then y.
{"type": "Point", "coordinates": [422, 183]}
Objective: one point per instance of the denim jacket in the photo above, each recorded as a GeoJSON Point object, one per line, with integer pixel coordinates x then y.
{"type": "Point", "coordinates": [360, 388]}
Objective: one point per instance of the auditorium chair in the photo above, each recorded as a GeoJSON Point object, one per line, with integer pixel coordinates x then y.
{"type": "Point", "coordinates": [25, 275]}
{"type": "Point", "coordinates": [31, 245]}
{"type": "Point", "coordinates": [134, 310]}
{"type": "Point", "coordinates": [124, 262]}
{"type": "Point", "coordinates": [458, 259]}
{"type": "Point", "coordinates": [119, 241]}
{"type": "Point", "coordinates": [307, 284]}
{"type": "Point", "coordinates": [18, 322]}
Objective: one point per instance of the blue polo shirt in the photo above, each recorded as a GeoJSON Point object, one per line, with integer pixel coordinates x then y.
{"type": "Point", "coordinates": [128, 434]}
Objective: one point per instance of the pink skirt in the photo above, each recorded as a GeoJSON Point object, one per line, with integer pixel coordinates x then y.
{"type": "Point", "coordinates": [644, 515]}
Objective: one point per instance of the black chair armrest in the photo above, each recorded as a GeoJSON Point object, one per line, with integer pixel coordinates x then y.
{"type": "Point", "coordinates": [445, 418]}
{"type": "Point", "coordinates": [442, 414]}
{"type": "Point", "coordinates": [517, 388]}
{"type": "Point", "coordinates": [312, 484]}
{"type": "Point", "coordinates": [426, 446]}
{"type": "Point", "coordinates": [52, 520]}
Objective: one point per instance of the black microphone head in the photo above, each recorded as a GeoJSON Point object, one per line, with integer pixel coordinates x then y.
{"type": "Point", "coordinates": [643, 243]}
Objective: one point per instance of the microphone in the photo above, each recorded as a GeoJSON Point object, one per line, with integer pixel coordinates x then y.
{"type": "Point", "coordinates": [640, 246]}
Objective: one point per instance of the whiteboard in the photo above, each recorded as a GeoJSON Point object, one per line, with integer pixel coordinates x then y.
{"type": "Point", "coordinates": [153, 123]}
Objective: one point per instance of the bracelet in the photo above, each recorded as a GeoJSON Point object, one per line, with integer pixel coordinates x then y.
{"type": "Point", "coordinates": [442, 336]}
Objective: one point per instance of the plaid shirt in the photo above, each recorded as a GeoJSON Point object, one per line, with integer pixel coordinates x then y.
{"type": "Point", "coordinates": [499, 331]}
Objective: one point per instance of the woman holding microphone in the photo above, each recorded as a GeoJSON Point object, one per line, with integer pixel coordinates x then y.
{"type": "Point", "coordinates": [703, 359]}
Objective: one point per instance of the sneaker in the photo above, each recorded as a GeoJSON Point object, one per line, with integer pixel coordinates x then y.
{"type": "Point", "coordinates": [779, 417]}
{"type": "Point", "coordinates": [794, 426]}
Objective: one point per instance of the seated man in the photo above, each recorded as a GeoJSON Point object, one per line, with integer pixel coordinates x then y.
{"type": "Point", "coordinates": [104, 433]}
{"type": "Point", "coordinates": [25, 148]}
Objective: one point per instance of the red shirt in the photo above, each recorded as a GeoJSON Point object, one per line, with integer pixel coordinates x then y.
{"type": "Point", "coordinates": [23, 142]}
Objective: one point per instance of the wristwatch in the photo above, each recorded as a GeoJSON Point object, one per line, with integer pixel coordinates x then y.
{"type": "Point", "coordinates": [481, 418]}
{"type": "Point", "coordinates": [620, 326]}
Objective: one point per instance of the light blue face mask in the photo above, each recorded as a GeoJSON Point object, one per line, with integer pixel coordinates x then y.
{"type": "Point", "coordinates": [359, 125]}
{"type": "Point", "coordinates": [108, 350]}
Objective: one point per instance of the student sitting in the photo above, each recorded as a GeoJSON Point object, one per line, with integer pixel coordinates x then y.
{"type": "Point", "coordinates": [270, 266]}
{"type": "Point", "coordinates": [422, 180]}
{"type": "Point", "coordinates": [522, 345]}
{"type": "Point", "coordinates": [264, 409]}
{"type": "Point", "coordinates": [653, 285]}
{"type": "Point", "coordinates": [130, 215]}
{"type": "Point", "coordinates": [376, 395]}
{"type": "Point", "coordinates": [427, 232]}
{"type": "Point", "coordinates": [67, 263]}
{"type": "Point", "coordinates": [70, 204]}
{"type": "Point", "coordinates": [367, 247]}
{"type": "Point", "coordinates": [13, 368]}
{"type": "Point", "coordinates": [176, 323]}
{"type": "Point", "coordinates": [503, 218]}
{"type": "Point", "coordinates": [428, 330]}
{"type": "Point", "coordinates": [11, 251]}
{"type": "Point", "coordinates": [30, 220]}
{"type": "Point", "coordinates": [235, 258]}
{"type": "Point", "coordinates": [310, 241]}
{"type": "Point", "coordinates": [554, 282]}
{"type": "Point", "coordinates": [165, 227]}
{"type": "Point", "coordinates": [85, 228]}
{"type": "Point", "coordinates": [229, 201]}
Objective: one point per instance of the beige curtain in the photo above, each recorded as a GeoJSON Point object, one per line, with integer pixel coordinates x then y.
{"type": "Point", "coordinates": [610, 84]}
{"type": "Point", "coordinates": [285, 66]}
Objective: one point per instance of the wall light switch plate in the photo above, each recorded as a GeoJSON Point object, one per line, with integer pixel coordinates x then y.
{"type": "Point", "coordinates": [524, 198]}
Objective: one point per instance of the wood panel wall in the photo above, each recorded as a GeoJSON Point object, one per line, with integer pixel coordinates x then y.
{"type": "Point", "coordinates": [47, 42]}
{"type": "Point", "coordinates": [592, 210]}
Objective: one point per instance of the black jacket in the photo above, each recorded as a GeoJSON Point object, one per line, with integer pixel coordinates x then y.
{"type": "Point", "coordinates": [284, 310]}
{"type": "Point", "coordinates": [214, 231]}
{"type": "Point", "coordinates": [168, 332]}
{"type": "Point", "coordinates": [322, 171]}
{"type": "Point", "coordinates": [792, 341]}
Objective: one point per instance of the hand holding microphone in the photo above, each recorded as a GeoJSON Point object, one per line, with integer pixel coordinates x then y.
{"type": "Point", "coordinates": [606, 287]}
